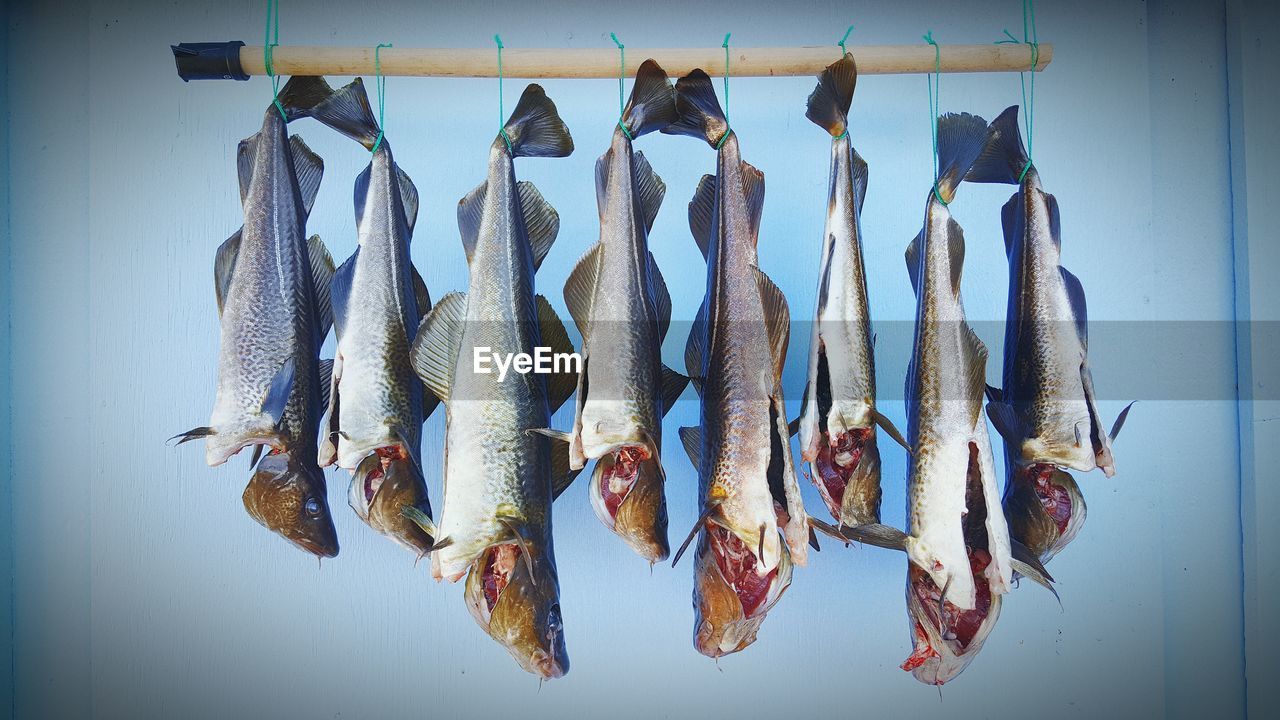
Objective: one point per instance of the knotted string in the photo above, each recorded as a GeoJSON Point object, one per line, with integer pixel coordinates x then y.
{"type": "Point", "coordinates": [1032, 40]}
{"type": "Point", "coordinates": [935, 84]}
{"type": "Point", "coordinates": [622, 74]}
{"type": "Point", "coordinates": [843, 52]}
{"type": "Point", "coordinates": [728, 126]}
{"type": "Point", "coordinates": [381, 83]}
{"type": "Point", "coordinates": [269, 43]}
{"type": "Point", "coordinates": [502, 115]}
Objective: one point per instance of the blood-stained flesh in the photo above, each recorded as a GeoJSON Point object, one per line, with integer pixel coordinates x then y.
{"type": "Point", "coordinates": [921, 652]}
{"type": "Point", "coordinates": [619, 477]}
{"type": "Point", "coordinates": [497, 571]}
{"type": "Point", "coordinates": [955, 626]}
{"type": "Point", "coordinates": [738, 567]}
{"type": "Point", "coordinates": [1055, 498]}
{"type": "Point", "coordinates": [373, 480]}
{"type": "Point", "coordinates": [836, 463]}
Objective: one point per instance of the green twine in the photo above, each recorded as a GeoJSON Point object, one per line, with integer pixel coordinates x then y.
{"type": "Point", "coordinates": [1032, 40]}
{"type": "Point", "coordinates": [381, 83]}
{"type": "Point", "coordinates": [269, 44]}
{"type": "Point", "coordinates": [622, 73]}
{"type": "Point", "coordinates": [934, 87]}
{"type": "Point", "coordinates": [843, 52]}
{"type": "Point", "coordinates": [502, 115]}
{"type": "Point", "coordinates": [728, 126]}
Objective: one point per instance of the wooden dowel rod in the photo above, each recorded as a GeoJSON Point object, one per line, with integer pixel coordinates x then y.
{"type": "Point", "coordinates": [603, 62]}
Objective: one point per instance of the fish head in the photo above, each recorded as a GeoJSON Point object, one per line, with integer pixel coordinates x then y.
{"type": "Point", "coordinates": [287, 496]}
{"type": "Point", "coordinates": [1044, 508]}
{"type": "Point", "coordinates": [846, 471]}
{"type": "Point", "coordinates": [628, 494]}
{"type": "Point", "coordinates": [946, 638]}
{"type": "Point", "coordinates": [516, 599]}
{"type": "Point", "coordinates": [381, 486]}
{"type": "Point", "coordinates": [730, 596]}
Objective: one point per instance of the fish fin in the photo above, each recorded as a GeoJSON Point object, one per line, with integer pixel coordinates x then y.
{"type": "Point", "coordinates": [860, 177]}
{"type": "Point", "coordinates": [1119, 423]}
{"type": "Point", "coordinates": [422, 520]}
{"type": "Point", "coordinates": [340, 291]}
{"type": "Point", "coordinates": [1008, 422]}
{"type": "Point", "coordinates": [695, 349]}
{"type": "Point", "coordinates": [541, 221]}
{"type": "Point", "coordinates": [793, 427]}
{"type": "Point", "coordinates": [701, 211]}
{"type": "Point", "coordinates": [887, 425]}
{"type": "Point", "coordinates": [813, 539]}
{"type": "Point", "coordinates": [649, 189]}
{"type": "Point", "coordinates": [309, 169]}
{"type": "Point", "coordinates": [255, 457]}
{"type": "Point", "coordinates": [1003, 156]}
{"type": "Point", "coordinates": [652, 105]}
{"type": "Point", "coordinates": [561, 435]}
{"type": "Point", "coordinates": [348, 111]}
{"type": "Point", "coordinates": [559, 385]}
{"type": "Point", "coordinates": [955, 254]}
{"type": "Point", "coordinates": [661, 298]}
{"type": "Point", "coordinates": [673, 385]}
{"type": "Point", "coordinates": [691, 439]}
{"type": "Point", "coordinates": [301, 94]}
{"type": "Point", "coordinates": [994, 394]}
{"type": "Point", "coordinates": [360, 191]}
{"type": "Point", "coordinates": [828, 105]}
{"type": "Point", "coordinates": [192, 434]}
{"type": "Point", "coordinates": [1025, 563]}
{"type": "Point", "coordinates": [603, 164]}
{"type": "Point", "coordinates": [224, 265]}
{"type": "Point", "coordinates": [421, 296]}
{"type": "Point", "coordinates": [322, 272]}
{"type": "Point", "coordinates": [580, 289]}
{"type": "Point", "coordinates": [326, 380]}
{"type": "Point", "coordinates": [470, 212]}
{"type": "Point", "coordinates": [878, 534]}
{"type": "Point", "coordinates": [976, 363]}
{"type": "Point", "coordinates": [535, 128]}
{"type": "Point", "coordinates": [711, 507]}
{"type": "Point", "coordinates": [698, 112]}
{"type": "Point", "coordinates": [826, 529]}
{"type": "Point", "coordinates": [961, 138]}
{"type": "Point", "coordinates": [1055, 219]}
{"type": "Point", "coordinates": [277, 395]}
{"type": "Point", "coordinates": [245, 153]}
{"type": "Point", "coordinates": [913, 261]}
{"type": "Point", "coordinates": [753, 191]}
{"type": "Point", "coordinates": [513, 525]}
{"type": "Point", "coordinates": [777, 319]}
{"type": "Point", "coordinates": [408, 198]}
{"type": "Point", "coordinates": [435, 348]}
{"type": "Point", "coordinates": [328, 450]}
{"type": "Point", "coordinates": [1075, 294]}
{"type": "Point", "coordinates": [1011, 222]}
{"type": "Point", "coordinates": [562, 474]}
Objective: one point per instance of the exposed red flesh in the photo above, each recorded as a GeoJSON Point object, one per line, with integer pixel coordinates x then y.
{"type": "Point", "coordinates": [372, 482]}
{"type": "Point", "coordinates": [618, 479]}
{"type": "Point", "coordinates": [834, 476]}
{"type": "Point", "coordinates": [1055, 498]}
{"type": "Point", "coordinates": [738, 567]}
{"type": "Point", "coordinates": [921, 651]}
{"type": "Point", "coordinates": [958, 625]}
{"type": "Point", "coordinates": [497, 572]}
{"type": "Point", "coordinates": [387, 455]}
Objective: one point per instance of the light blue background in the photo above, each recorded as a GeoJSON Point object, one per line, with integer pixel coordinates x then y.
{"type": "Point", "coordinates": [141, 588]}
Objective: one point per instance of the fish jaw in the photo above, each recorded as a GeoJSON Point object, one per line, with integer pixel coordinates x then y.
{"type": "Point", "coordinates": [730, 597]}
{"type": "Point", "coordinates": [520, 611]}
{"type": "Point", "coordinates": [380, 488]}
{"type": "Point", "coordinates": [287, 496]}
{"type": "Point", "coordinates": [628, 496]}
{"type": "Point", "coordinates": [938, 654]}
{"type": "Point", "coordinates": [1044, 509]}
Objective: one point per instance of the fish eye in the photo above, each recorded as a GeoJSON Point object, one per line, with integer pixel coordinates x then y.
{"type": "Point", "coordinates": [312, 506]}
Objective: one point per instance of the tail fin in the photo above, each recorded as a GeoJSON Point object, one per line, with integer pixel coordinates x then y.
{"type": "Point", "coordinates": [698, 111]}
{"type": "Point", "coordinates": [652, 105]}
{"type": "Point", "coordinates": [301, 94]}
{"type": "Point", "coordinates": [961, 138]}
{"type": "Point", "coordinates": [347, 110]}
{"type": "Point", "coordinates": [829, 102]}
{"type": "Point", "coordinates": [535, 128]}
{"type": "Point", "coordinates": [1004, 157]}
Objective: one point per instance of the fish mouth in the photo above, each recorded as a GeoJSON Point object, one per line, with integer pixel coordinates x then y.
{"type": "Point", "coordinates": [946, 638]}
{"type": "Point", "coordinates": [731, 596]}
{"type": "Point", "coordinates": [1044, 508]}
{"type": "Point", "coordinates": [520, 612]}
{"type": "Point", "coordinates": [628, 495]}
{"type": "Point", "coordinates": [847, 475]}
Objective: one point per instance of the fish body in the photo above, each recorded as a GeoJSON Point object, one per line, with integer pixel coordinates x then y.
{"type": "Point", "coordinates": [957, 541]}
{"type": "Point", "coordinates": [499, 476]}
{"type": "Point", "coordinates": [620, 303]}
{"type": "Point", "coordinates": [753, 527]}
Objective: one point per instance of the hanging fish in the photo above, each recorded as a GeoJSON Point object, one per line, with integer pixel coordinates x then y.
{"type": "Point", "coordinates": [376, 402]}
{"type": "Point", "coordinates": [272, 287]}
{"type": "Point", "coordinates": [736, 350]}
{"type": "Point", "coordinates": [620, 304]}
{"type": "Point", "coordinates": [1046, 412]}
{"type": "Point", "coordinates": [838, 416]}
{"type": "Point", "coordinates": [500, 476]}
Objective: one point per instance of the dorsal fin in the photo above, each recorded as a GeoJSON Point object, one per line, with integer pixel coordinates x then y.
{"type": "Point", "coordinates": [408, 198]}
{"type": "Point", "coordinates": [562, 473]}
{"type": "Point", "coordinates": [541, 221]}
{"type": "Point", "coordinates": [976, 365]}
{"type": "Point", "coordinates": [1011, 222]}
{"type": "Point", "coordinates": [322, 271]}
{"type": "Point", "coordinates": [824, 280]}
{"type": "Point", "coordinates": [435, 348]}
{"type": "Point", "coordinates": [691, 439]}
{"type": "Point", "coordinates": [224, 265]}
{"type": "Point", "coordinates": [360, 192]}
{"type": "Point", "coordinates": [470, 211]}
{"type": "Point", "coordinates": [340, 291]}
{"type": "Point", "coordinates": [859, 179]}
{"type": "Point", "coordinates": [559, 385]}
{"type": "Point", "coordinates": [955, 252]}
{"type": "Point", "coordinates": [421, 296]}
{"type": "Point", "coordinates": [753, 193]}
{"type": "Point", "coordinates": [603, 164]}
{"type": "Point", "coordinates": [673, 385]}
{"type": "Point", "coordinates": [245, 153]}
{"type": "Point", "coordinates": [580, 289]}
{"type": "Point", "coordinates": [1075, 294]}
{"type": "Point", "coordinates": [695, 348]}
{"type": "Point", "coordinates": [701, 210]}
{"type": "Point", "coordinates": [1055, 219]}
{"type": "Point", "coordinates": [309, 169]}
{"type": "Point", "coordinates": [777, 319]}
{"type": "Point", "coordinates": [661, 298]}
{"type": "Point", "coordinates": [649, 190]}
{"type": "Point", "coordinates": [913, 261]}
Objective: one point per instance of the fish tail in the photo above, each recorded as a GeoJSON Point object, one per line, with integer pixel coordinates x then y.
{"type": "Point", "coordinates": [652, 105]}
{"type": "Point", "coordinates": [347, 110]}
{"type": "Point", "coordinates": [1004, 157]}
{"type": "Point", "coordinates": [829, 103]}
{"type": "Point", "coordinates": [961, 139]}
{"type": "Point", "coordinates": [535, 128]}
{"type": "Point", "coordinates": [301, 94]}
{"type": "Point", "coordinates": [697, 109]}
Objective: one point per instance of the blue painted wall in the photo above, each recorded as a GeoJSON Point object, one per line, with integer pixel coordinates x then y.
{"type": "Point", "coordinates": [141, 588]}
